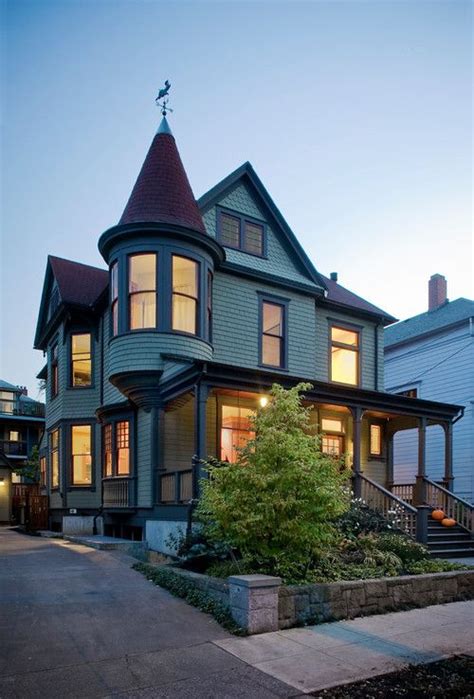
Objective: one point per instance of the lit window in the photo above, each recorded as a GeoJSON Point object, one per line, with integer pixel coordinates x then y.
{"type": "Point", "coordinates": [54, 458]}
{"type": "Point", "coordinates": [107, 450]}
{"type": "Point", "coordinates": [236, 430]}
{"type": "Point", "coordinates": [185, 294]}
{"type": "Point", "coordinates": [142, 291]}
{"type": "Point", "coordinates": [235, 231]}
{"type": "Point", "coordinates": [273, 344]}
{"type": "Point", "coordinates": [42, 462]}
{"type": "Point", "coordinates": [14, 436]}
{"type": "Point", "coordinates": [375, 440]}
{"type": "Point", "coordinates": [114, 297]}
{"type": "Point", "coordinates": [332, 444]}
{"type": "Point", "coordinates": [54, 371]}
{"type": "Point", "coordinates": [81, 360]}
{"type": "Point", "coordinates": [408, 393]}
{"type": "Point", "coordinates": [123, 448]}
{"type": "Point", "coordinates": [344, 355]}
{"type": "Point", "coordinates": [331, 425]}
{"type": "Point", "coordinates": [81, 454]}
{"type": "Point", "coordinates": [7, 402]}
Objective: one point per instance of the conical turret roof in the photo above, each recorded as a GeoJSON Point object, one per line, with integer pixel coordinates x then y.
{"type": "Point", "coordinates": [162, 193]}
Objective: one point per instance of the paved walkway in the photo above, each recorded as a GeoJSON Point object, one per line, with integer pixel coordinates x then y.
{"type": "Point", "coordinates": [317, 657]}
{"type": "Point", "coordinates": [78, 622]}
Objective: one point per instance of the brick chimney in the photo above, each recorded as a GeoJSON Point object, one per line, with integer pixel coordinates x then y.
{"type": "Point", "coordinates": [437, 292]}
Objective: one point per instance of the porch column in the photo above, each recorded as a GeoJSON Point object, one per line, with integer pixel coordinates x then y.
{"type": "Point", "coordinates": [390, 477]}
{"type": "Point", "coordinates": [201, 392]}
{"type": "Point", "coordinates": [356, 442]}
{"type": "Point", "coordinates": [448, 455]}
{"type": "Point", "coordinates": [420, 486]}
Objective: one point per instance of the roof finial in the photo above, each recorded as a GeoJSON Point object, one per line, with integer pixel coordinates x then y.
{"type": "Point", "coordinates": [162, 95]}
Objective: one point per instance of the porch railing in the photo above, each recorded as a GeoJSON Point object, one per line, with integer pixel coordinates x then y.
{"type": "Point", "coordinates": [13, 448]}
{"type": "Point", "coordinates": [454, 507]}
{"type": "Point", "coordinates": [404, 491]}
{"type": "Point", "coordinates": [118, 492]}
{"type": "Point", "coordinates": [175, 487]}
{"type": "Point", "coordinates": [397, 512]}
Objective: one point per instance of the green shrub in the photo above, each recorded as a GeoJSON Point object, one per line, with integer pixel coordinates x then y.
{"type": "Point", "coordinates": [360, 519]}
{"type": "Point", "coordinates": [406, 549]}
{"type": "Point", "coordinates": [181, 587]}
{"type": "Point", "coordinates": [432, 565]}
{"type": "Point", "coordinates": [276, 506]}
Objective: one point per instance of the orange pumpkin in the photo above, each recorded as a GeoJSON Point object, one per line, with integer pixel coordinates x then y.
{"type": "Point", "coordinates": [448, 522]}
{"type": "Point", "coordinates": [438, 515]}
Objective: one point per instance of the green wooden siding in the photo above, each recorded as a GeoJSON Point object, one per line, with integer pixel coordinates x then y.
{"type": "Point", "coordinates": [179, 436]}
{"type": "Point", "coordinates": [143, 466]}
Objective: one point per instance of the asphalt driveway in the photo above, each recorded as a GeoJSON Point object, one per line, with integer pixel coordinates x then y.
{"type": "Point", "coordinates": [77, 622]}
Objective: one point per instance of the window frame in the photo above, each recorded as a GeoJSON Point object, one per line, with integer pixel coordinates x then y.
{"type": "Point", "coordinates": [243, 219]}
{"type": "Point", "coordinates": [72, 484]}
{"type": "Point", "coordinates": [80, 331]}
{"type": "Point", "coordinates": [350, 327]}
{"type": "Point", "coordinates": [129, 294]}
{"type": "Point", "coordinates": [383, 451]}
{"type": "Point", "coordinates": [228, 402]}
{"type": "Point", "coordinates": [43, 471]}
{"type": "Point", "coordinates": [340, 435]}
{"type": "Point", "coordinates": [114, 300]}
{"type": "Point", "coordinates": [112, 425]}
{"type": "Point", "coordinates": [197, 299]}
{"type": "Point", "coordinates": [54, 362]}
{"type": "Point", "coordinates": [284, 304]}
{"type": "Point", "coordinates": [55, 450]}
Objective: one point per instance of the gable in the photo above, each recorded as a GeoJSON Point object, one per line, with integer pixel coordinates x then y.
{"type": "Point", "coordinates": [243, 193]}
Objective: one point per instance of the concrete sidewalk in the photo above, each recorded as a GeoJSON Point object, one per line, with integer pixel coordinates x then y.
{"type": "Point", "coordinates": [316, 657]}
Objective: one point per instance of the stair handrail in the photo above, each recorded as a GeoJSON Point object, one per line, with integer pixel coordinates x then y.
{"type": "Point", "coordinates": [453, 506]}
{"type": "Point", "coordinates": [386, 503]}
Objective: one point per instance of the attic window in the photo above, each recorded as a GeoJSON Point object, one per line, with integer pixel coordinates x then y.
{"type": "Point", "coordinates": [241, 233]}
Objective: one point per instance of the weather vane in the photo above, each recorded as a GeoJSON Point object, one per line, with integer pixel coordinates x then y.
{"type": "Point", "coordinates": [163, 96]}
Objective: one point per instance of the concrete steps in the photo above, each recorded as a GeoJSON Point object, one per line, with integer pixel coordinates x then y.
{"type": "Point", "coordinates": [449, 542]}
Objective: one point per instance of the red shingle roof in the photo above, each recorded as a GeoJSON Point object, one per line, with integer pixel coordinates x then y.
{"type": "Point", "coordinates": [338, 294]}
{"type": "Point", "coordinates": [162, 193]}
{"type": "Point", "coordinates": [78, 284]}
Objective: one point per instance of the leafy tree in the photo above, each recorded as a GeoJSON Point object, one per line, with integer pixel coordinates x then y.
{"type": "Point", "coordinates": [31, 469]}
{"type": "Point", "coordinates": [276, 505]}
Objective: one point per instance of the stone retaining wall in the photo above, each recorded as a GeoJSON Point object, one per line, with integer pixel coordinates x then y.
{"type": "Point", "coordinates": [260, 603]}
{"type": "Point", "coordinates": [300, 604]}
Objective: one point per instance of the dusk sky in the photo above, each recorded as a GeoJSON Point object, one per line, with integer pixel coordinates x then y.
{"type": "Point", "coordinates": [357, 116]}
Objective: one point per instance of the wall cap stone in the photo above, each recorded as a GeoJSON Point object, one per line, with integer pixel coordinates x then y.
{"type": "Point", "coordinates": [255, 580]}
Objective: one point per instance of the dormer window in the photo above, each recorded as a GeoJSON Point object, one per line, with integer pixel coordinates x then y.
{"type": "Point", "coordinates": [142, 291]}
{"type": "Point", "coordinates": [241, 233]}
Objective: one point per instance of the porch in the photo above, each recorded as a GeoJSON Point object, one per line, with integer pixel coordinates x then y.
{"type": "Point", "coordinates": [211, 419]}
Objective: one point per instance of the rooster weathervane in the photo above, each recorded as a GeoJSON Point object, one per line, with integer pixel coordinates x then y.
{"type": "Point", "coordinates": [163, 96]}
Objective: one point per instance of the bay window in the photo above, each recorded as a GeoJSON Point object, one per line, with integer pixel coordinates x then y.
{"type": "Point", "coordinates": [142, 291]}
{"type": "Point", "coordinates": [185, 284]}
{"type": "Point", "coordinates": [81, 360]}
{"type": "Point", "coordinates": [81, 455]}
{"type": "Point", "coordinates": [345, 354]}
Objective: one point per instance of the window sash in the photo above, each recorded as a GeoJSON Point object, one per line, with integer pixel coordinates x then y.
{"type": "Point", "coordinates": [54, 458]}
{"type": "Point", "coordinates": [42, 471]}
{"type": "Point", "coordinates": [185, 294]}
{"type": "Point", "coordinates": [116, 449]}
{"type": "Point", "coordinates": [375, 440]}
{"type": "Point", "coordinates": [332, 445]}
{"type": "Point", "coordinates": [241, 233]}
{"type": "Point", "coordinates": [81, 361]}
{"type": "Point", "coordinates": [81, 455]}
{"type": "Point", "coordinates": [235, 431]}
{"type": "Point", "coordinates": [345, 355]}
{"type": "Point", "coordinates": [273, 334]}
{"type": "Point", "coordinates": [142, 304]}
{"type": "Point", "coordinates": [253, 238]}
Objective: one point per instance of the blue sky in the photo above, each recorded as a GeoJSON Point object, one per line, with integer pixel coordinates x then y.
{"type": "Point", "coordinates": [356, 115]}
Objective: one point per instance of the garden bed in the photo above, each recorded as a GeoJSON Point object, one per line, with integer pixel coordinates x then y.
{"type": "Point", "coordinates": [452, 678]}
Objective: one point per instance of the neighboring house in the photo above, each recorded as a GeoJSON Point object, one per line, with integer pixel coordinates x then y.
{"type": "Point", "coordinates": [431, 356]}
{"type": "Point", "coordinates": [163, 355]}
{"type": "Point", "coordinates": [21, 428]}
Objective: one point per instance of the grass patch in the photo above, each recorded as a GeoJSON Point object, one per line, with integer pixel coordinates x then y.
{"type": "Point", "coordinates": [179, 586]}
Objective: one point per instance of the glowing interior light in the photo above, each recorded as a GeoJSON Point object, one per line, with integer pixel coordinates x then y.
{"type": "Point", "coordinates": [263, 401]}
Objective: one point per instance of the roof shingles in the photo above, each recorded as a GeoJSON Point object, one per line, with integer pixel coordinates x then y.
{"type": "Point", "coordinates": [430, 321]}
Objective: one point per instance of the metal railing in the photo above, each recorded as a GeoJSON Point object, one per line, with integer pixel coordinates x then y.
{"type": "Point", "coordinates": [13, 448]}
{"type": "Point", "coordinates": [21, 408]}
{"type": "Point", "coordinates": [118, 492]}
{"type": "Point", "coordinates": [175, 487]}
{"type": "Point", "coordinates": [404, 491]}
{"type": "Point", "coordinates": [398, 513]}
{"type": "Point", "coordinates": [456, 508]}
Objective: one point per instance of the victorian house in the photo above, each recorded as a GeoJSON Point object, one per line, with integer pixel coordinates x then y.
{"type": "Point", "coordinates": [157, 360]}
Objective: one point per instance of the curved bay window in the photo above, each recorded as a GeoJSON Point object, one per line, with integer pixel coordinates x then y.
{"type": "Point", "coordinates": [142, 291]}
{"type": "Point", "coordinates": [114, 297]}
{"type": "Point", "coordinates": [185, 285]}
